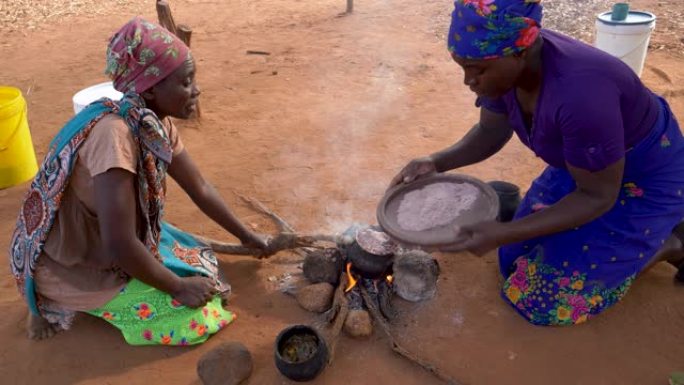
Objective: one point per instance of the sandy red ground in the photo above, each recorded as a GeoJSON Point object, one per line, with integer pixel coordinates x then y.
{"type": "Point", "coordinates": [315, 131]}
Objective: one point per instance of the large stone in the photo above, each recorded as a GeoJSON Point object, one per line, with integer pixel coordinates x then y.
{"type": "Point", "coordinates": [358, 324]}
{"type": "Point", "coordinates": [415, 275]}
{"type": "Point", "coordinates": [227, 364]}
{"type": "Point", "coordinates": [316, 298]}
{"type": "Point", "coordinates": [324, 266]}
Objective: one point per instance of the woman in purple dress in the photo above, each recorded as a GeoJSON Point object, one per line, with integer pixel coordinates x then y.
{"type": "Point", "coordinates": [611, 197]}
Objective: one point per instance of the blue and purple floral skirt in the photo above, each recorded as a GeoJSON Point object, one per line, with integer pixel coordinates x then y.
{"type": "Point", "coordinates": [569, 277]}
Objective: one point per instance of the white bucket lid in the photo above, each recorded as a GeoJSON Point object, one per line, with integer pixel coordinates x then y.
{"type": "Point", "coordinates": [88, 95]}
{"type": "Point", "coordinates": [633, 18]}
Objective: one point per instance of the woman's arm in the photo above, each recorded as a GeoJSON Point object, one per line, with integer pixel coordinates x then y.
{"type": "Point", "coordinates": [184, 171]}
{"type": "Point", "coordinates": [115, 202]}
{"type": "Point", "coordinates": [482, 141]}
{"type": "Point", "coordinates": [596, 193]}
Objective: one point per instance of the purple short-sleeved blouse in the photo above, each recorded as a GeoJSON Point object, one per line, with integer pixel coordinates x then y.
{"type": "Point", "coordinates": [591, 108]}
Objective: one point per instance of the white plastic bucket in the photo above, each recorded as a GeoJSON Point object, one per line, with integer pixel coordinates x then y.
{"type": "Point", "coordinates": [88, 95]}
{"type": "Point", "coordinates": [626, 39]}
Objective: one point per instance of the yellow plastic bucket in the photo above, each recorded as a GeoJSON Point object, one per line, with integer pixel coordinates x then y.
{"type": "Point", "coordinates": [17, 157]}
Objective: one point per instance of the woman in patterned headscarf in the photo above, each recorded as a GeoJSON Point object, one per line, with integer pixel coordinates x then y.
{"type": "Point", "coordinates": [609, 203]}
{"type": "Point", "coordinates": [90, 235]}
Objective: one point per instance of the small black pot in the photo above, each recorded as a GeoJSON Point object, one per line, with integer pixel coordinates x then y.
{"type": "Point", "coordinates": [509, 199]}
{"type": "Point", "coordinates": [305, 370]}
{"type": "Point", "coordinates": [367, 264]}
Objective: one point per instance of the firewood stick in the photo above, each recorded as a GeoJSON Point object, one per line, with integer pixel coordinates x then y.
{"type": "Point", "coordinates": [397, 348]}
{"type": "Point", "coordinates": [350, 6]}
{"type": "Point", "coordinates": [258, 206]}
{"type": "Point", "coordinates": [338, 297]}
{"type": "Point", "coordinates": [283, 241]}
{"type": "Point", "coordinates": [286, 239]}
{"type": "Point", "coordinates": [385, 303]}
{"type": "Point", "coordinates": [339, 312]}
{"type": "Point", "coordinates": [165, 16]}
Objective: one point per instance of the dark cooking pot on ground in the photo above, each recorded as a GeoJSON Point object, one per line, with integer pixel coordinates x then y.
{"type": "Point", "coordinates": [509, 199]}
{"type": "Point", "coordinates": [300, 363]}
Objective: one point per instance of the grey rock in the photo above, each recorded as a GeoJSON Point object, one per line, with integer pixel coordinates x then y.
{"type": "Point", "coordinates": [415, 275]}
{"type": "Point", "coordinates": [323, 266]}
{"type": "Point", "coordinates": [316, 298]}
{"type": "Point", "coordinates": [358, 324]}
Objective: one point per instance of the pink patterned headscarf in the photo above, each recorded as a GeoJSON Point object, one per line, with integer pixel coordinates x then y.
{"type": "Point", "coordinates": [141, 54]}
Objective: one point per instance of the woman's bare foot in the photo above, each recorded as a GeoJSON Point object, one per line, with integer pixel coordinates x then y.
{"type": "Point", "coordinates": [671, 252]}
{"type": "Point", "coordinates": [38, 328]}
{"type": "Point", "coordinates": [678, 262]}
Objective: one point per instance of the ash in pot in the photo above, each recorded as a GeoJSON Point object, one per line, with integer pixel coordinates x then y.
{"type": "Point", "coordinates": [299, 348]}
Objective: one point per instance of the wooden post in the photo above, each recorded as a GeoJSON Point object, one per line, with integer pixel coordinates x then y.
{"type": "Point", "coordinates": [165, 16]}
{"type": "Point", "coordinates": [350, 6]}
{"type": "Point", "coordinates": [184, 33]}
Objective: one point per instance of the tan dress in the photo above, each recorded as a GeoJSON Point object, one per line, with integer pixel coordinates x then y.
{"type": "Point", "coordinates": [74, 271]}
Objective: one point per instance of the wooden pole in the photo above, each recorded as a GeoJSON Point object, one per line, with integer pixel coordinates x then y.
{"type": "Point", "coordinates": [184, 33]}
{"type": "Point", "coordinates": [165, 16]}
{"type": "Point", "coordinates": [350, 6]}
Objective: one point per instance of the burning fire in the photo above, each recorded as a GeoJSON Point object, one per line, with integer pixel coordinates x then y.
{"type": "Point", "coordinates": [351, 281]}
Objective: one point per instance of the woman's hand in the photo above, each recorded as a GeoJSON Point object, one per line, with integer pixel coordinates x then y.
{"type": "Point", "coordinates": [195, 291]}
{"type": "Point", "coordinates": [258, 242]}
{"type": "Point", "coordinates": [184, 171]}
{"type": "Point", "coordinates": [416, 169]}
{"type": "Point", "coordinates": [480, 238]}
{"type": "Point", "coordinates": [255, 241]}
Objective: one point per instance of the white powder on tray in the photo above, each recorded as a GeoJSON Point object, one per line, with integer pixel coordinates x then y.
{"type": "Point", "coordinates": [435, 205]}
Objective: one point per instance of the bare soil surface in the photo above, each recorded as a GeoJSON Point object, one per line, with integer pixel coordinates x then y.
{"type": "Point", "coordinates": [315, 131]}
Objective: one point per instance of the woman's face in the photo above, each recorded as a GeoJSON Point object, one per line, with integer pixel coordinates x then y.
{"type": "Point", "coordinates": [176, 95]}
{"type": "Point", "coordinates": [491, 78]}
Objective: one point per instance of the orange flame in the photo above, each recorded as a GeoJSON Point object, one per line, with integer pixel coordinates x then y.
{"type": "Point", "coordinates": [350, 278]}
{"type": "Point", "coordinates": [389, 278]}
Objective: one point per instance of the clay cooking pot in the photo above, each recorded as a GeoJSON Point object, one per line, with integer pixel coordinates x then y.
{"type": "Point", "coordinates": [509, 199]}
{"type": "Point", "coordinates": [300, 363]}
{"type": "Point", "coordinates": [367, 264]}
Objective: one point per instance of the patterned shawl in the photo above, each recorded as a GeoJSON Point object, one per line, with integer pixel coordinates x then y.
{"type": "Point", "coordinates": [43, 199]}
